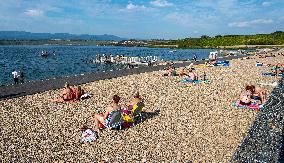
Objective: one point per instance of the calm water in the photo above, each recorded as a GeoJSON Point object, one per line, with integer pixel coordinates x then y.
{"type": "Point", "coordinates": [71, 60]}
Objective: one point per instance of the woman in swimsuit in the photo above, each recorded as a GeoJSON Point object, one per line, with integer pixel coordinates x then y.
{"type": "Point", "coordinates": [105, 117]}
{"type": "Point", "coordinates": [256, 93]}
{"type": "Point", "coordinates": [78, 92]}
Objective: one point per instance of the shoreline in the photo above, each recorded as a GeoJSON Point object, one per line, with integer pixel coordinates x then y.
{"type": "Point", "coordinates": [32, 87]}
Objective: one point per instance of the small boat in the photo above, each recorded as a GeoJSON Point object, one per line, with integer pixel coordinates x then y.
{"type": "Point", "coordinates": [173, 51]}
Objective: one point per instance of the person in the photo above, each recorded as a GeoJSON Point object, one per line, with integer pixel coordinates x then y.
{"type": "Point", "coordinates": [111, 58]}
{"type": "Point", "coordinates": [194, 58]}
{"type": "Point", "coordinates": [182, 72]}
{"type": "Point", "coordinates": [170, 71]}
{"type": "Point", "coordinates": [21, 77]}
{"type": "Point", "coordinates": [78, 92]}
{"type": "Point", "coordinates": [106, 117]}
{"type": "Point", "coordinates": [105, 57]}
{"type": "Point", "coordinates": [15, 76]}
{"type": "Point", "coordinates": [256, 93]}
{"type": "Point", "coordinates": [133, 101]}
{"type": "Point", "coordinates": [192, 75]}
{"type": "Point", "coordinates": [66, 95]}
{"type": "Point", "coordinates": [98, 59]}
{"type": "Point", "coordinates": [245, 98]}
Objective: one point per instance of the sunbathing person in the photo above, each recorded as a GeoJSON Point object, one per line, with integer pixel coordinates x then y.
{"type": "Point", "coordinates": [66, 95]}
{"type": "Point", "coordinates": [256, 93]}
{"type": "Point", "coordinates": [106, 117]}
{"type": "Point", "coordinates": [245, 98]}
{"type": "Point", "coordinates": [170, 71]}
{"type": "Point", "coordinates": [182, 72]}
{"type": "Point", "coordinates": [133, 101]}
{"type": "Point", "coordinates": [192, 75]}
{"type": "Point", "coordinates": [78, 92]}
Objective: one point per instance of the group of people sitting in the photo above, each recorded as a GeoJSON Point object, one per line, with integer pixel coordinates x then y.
{"type": "Point", "coordinates": [276, 69]}
{"type": "Point", "coordinates": [106, 117]}
{"type": "Point", "coordinates": [170, 71]}
{"type": "Point", "coordinates": [187, 74]}
{"type": "Point", "coordinates": [69, 93]}
{"type": "Point", "coordinates": [252, 94]}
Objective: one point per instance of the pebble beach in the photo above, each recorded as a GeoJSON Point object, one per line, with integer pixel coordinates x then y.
{"type": "Point", "coordinates": [181, 122]}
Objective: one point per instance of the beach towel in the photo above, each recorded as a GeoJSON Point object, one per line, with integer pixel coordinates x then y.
{"type": "Point", "coordinates": [253, 105]}
{"type": "Point", "coordinates": [193, 81]}
{"type": "Point", "coordinates": [222, 63]}
{"type": "Point", "coordinates": [274, 84]}
{"type": "Point", "coordinates": [86, 96]}
{"type": "Point", "coordinates": [271, 74]}
{"type": "Point", "coordinates": [258, 64]}
{"type": "Point", "coordinates": [89, 136]}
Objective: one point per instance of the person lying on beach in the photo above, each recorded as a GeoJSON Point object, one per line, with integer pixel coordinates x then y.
{"type": "Point", "coordinates": [182, 72]}
{"type": "Point", "coordinates": [245, 98]}
{"type": "Point", "coordinates": [78, 92]}
{"type": "Point", "coordinates": [106, 117]}
{"type": "Point", "coordinates": [170, 71]}
{"type": "Point", "coordinates": [67, 94]}
{"type": "Point", "coordinates": [190, 77]}
{"type": "Point", "coordinates": [256, 93]}
{"type": "Point", "coordinates": [277, 69]}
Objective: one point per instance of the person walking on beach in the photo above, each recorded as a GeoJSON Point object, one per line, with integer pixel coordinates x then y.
{"type": "Point", "coordinates": [15, 76]}
{"type": "Point", "coordinates": [21, 76]}
{"type": "Point", "coordinates": [194, 58]}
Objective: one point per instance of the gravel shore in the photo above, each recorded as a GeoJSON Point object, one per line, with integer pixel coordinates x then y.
{"type": "Point", "coordinates": [183, 122]}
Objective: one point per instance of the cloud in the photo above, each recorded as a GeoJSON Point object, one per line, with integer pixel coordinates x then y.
{"type": "Point", "coordinates": [34, 12]}
{"type": "Point", "coordinates": [266, 4]}
{"type": "Point", "coordinates": [161, 3]}
{"type": "Point", "coordinates": [250, 23]}
{"type": "Point", "coordinates": [132, 7]}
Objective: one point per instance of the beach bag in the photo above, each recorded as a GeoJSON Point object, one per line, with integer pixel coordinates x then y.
{"type": "Point", "coordinates": [126, 118]}
{"type": "Point", "coordinates": [89, 136]}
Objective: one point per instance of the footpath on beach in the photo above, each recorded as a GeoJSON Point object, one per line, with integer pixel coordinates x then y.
{"type": "Point", "coordinates": [28, 88]}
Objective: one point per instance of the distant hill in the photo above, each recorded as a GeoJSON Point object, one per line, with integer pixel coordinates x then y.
{"type": "Point", "coordinates": [22, 35]}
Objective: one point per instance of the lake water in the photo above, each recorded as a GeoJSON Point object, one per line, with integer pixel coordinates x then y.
{"type": "Point", "coordinates": [71, 60]}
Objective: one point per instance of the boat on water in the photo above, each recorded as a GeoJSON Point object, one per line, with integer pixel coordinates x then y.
{"type": "Point", "coordinates": [46, 53]}
{"type": "Point", "coordinates": [173, 51]}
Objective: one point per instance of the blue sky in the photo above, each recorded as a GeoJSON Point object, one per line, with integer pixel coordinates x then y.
{"type": "Point", "coordinates": [146, 19]}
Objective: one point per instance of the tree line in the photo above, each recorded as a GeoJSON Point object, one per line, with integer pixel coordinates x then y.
{"type": "Point", "coordinates": [275, 38]}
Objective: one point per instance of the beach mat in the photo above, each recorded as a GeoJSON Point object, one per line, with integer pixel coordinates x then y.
{"type": "Point", "coordinates": [194, 81]}
{"type": "Point", "coordinates": [271, 74]}
{"type": "Point", "coordinates": [252, 106]}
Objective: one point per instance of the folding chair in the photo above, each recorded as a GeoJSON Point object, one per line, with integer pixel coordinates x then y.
{"type": "Point", "coordinates": [136, 112]}
{"type": "Point", "coordinates": [115, 121]}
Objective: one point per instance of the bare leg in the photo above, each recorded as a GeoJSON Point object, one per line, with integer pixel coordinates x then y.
{"type": "Point", "coordinates": [56, 100]}
{"type": "Point", "coordinates": [96, 122]}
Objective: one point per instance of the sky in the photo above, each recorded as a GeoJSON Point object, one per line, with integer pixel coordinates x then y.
{"type": "Point", "coordinates": [144, 19]}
